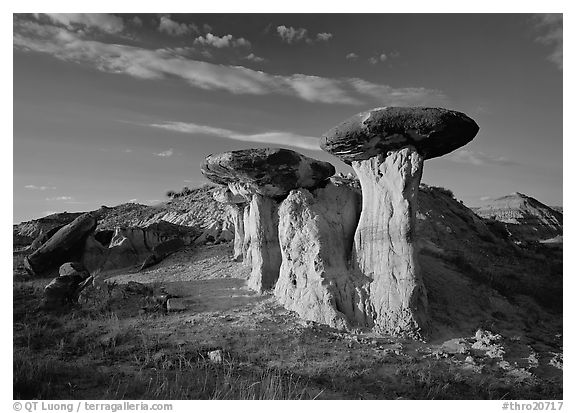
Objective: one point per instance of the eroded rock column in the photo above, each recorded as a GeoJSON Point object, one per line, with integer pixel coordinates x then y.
{"type": "Point", "coordinates": [384, 243]}
{"type": "Point", "coordinates": [264, 248]}
{"type": "Point", "coordinates": [316, 232]}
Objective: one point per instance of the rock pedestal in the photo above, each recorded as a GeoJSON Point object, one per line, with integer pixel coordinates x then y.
{"type": "Point", "coordinates": [384, 243]}
{"type": "Point", "coordinates": [264, 248]}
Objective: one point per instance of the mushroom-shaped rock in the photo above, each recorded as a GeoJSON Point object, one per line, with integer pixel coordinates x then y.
{"type": "Point", "coordinates": [387, 148]}
{"type": "Point", "coordinates": [264, 176]}
{"type": "Point", "coordinates": [271, 172]}
{"type": "Point", "coordinates": [235, 205]}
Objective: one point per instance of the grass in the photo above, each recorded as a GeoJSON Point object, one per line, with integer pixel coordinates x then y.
{"type": "Point", "coordinates": [98, 352]}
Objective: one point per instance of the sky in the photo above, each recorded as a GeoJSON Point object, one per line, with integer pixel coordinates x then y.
{"type": "Point", "coordinates": [120, 108]}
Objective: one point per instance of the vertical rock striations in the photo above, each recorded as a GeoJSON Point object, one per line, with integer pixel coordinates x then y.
{"type": "Point", "coordinates": [264, 177]}
{"type": "Point", "coordinates": [387, 147]}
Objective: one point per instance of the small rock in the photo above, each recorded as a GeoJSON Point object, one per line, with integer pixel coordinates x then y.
{"type": "Point", "coordinates": [175, 304]}
{"type": "Point", "coordinates": [469, 360]}
{"type": "Point", "coordinates": [216, 356]}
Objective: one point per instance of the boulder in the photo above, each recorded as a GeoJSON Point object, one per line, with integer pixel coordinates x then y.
{"type": "Point", "coordinates": [387, 147]}
{"type": "Point", "coordinates": [65, 289]}
{"type": "Point", "coordinates": [65, 245]}
{"type": "Point", "coordinates": [316, 232]}
{"type": "Point", "coordinates": [42, 238]}
{"type": "Point", "coordinates": [269, 172]}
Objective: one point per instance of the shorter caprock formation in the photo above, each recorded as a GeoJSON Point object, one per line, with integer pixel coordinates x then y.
{"type": "Point", "coordinates": [263, 177]}
{"type": "Point", "coordinates": [332, 254]}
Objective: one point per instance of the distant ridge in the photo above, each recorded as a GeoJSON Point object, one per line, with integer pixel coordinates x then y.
{"type": "Point", "coordinates": [526, 218]}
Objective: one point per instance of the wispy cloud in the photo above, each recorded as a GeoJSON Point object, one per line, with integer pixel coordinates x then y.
{"type": "Point", "coordinates": [165, 154]}
{"type": "Point", "coordinates": [254, 58]}
{"type": "Point", "coordinates": [479, 158]}
{"type": "Point", "coordinates": [173, 28]}
{"type": "Point", "coordinates": [220, 42]}
{"type": "Point", "coordinates": [324, 37]}
{"type": "Point", "coordinates": [60, 198]}
{"type": "Point", "coordinates": [104, 22]}
{"type": "Point", "coordinates": [39, 188]}
{"type": "Point", "coordinates": [268, 137]}
{"type": "Point", "coordinates": [550, 32]}
{"type": "Point", "coordinates": [159, 64]}
{"type": "Point", "coordinates": [352, 56]}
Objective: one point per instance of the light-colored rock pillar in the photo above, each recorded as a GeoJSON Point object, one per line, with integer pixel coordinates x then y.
{"type": "Point", "coordinates": [384, 243]}
{"type": "Point", "coordinates": [316, 232]}
{"type": "Point", "coordinates": [247, 258]}
{"type": "Point", "coordinates": [236, 212]}
{"type": "Point", "coordinates": [264, 249]}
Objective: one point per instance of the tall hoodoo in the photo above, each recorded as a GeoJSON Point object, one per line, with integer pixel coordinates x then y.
{"type": "Point", "coordinates": [263, 177]}
{"type": "Point", "coordinates": [387, 148]}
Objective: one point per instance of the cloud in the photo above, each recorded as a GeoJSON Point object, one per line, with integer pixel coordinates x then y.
{"type": "Point", "coordinates": [485, 198]}
{"type": "Point", "coordinates": [550, 29]}
{"type": "Point", "coordinates": [378, 59]}
{"type": "Point", "coordinates": [173, 28]}
{"type": "Point", "coordinates": [220, 42]}
{"type": "Point", "coordinates": [480, 158]}
{"type": "Point", "coordinates": [269, 137]}
{"type": "Point", "coordinates": [291, 35]}
{"type": "Point", "coordinates": [254, 58]}
{"type": "Point", "coordinates": [39, 188]}
{"type": "Point", "coordinates": [352, 56]}
{"type": "Point", "coordinates": [60, 198]}
{"type": "Point", "coordinates": [136, 21]}
{"type": "Point", "coordinates": [324, 37]}
{"type": "Point", "coordinates": [158, 64]}
{"type": "Point", "coordinates": [105, 22]}
{"type": "Point", "coordinates": [165, 154]}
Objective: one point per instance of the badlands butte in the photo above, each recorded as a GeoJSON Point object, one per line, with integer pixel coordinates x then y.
{"type": "Point", "coordinates": [374, 260]}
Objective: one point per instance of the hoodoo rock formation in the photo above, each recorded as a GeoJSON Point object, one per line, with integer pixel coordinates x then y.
{"type": "Point", "coordinates": [264, 177]}
{"type": "Point", "coordinates": [387, 148]}
{"type": "Point", "coordinates": [235, 206]}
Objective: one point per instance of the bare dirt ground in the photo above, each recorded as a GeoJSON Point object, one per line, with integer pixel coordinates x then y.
{"type": "Point", "coordinates": [119, 343]}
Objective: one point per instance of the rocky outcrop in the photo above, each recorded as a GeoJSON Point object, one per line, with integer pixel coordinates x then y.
{"type": "Point", "coordinates": [262, 177]}
{"type": "Point", "coordinates": [316, 232]}
{"type": "Point", "coordinates": [64, 245]}
{"type": "Point", "coordinates": [387, 147]}
{"type": "Point", "coordinates": [132, 247]}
